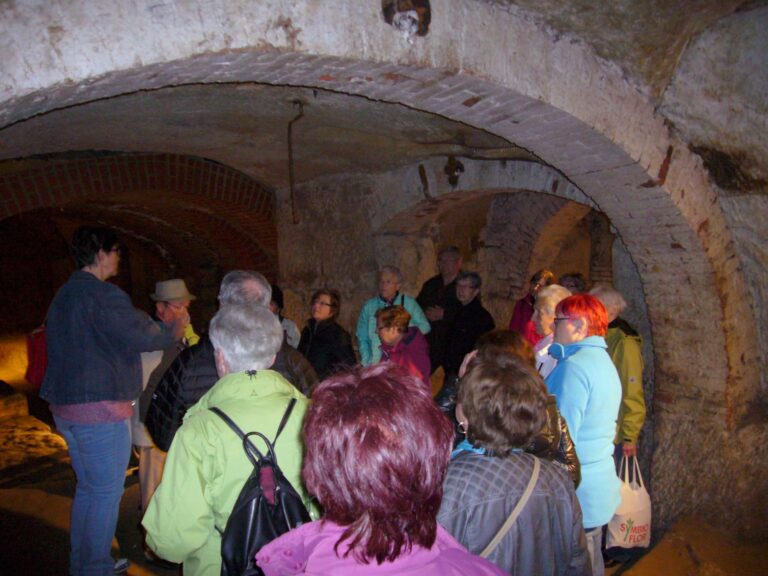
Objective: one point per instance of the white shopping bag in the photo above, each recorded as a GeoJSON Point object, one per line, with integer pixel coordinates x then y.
{"type": "Point", "coordinates": [630, 527]}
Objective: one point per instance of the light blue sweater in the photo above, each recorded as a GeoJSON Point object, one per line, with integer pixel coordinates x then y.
{"type": "Point", "coordinates": [588, 392]}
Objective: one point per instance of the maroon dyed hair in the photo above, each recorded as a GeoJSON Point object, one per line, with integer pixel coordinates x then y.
{"type": "Point", "coordinates": [588, 308]}
{"type": "Point", "coordinates": [377, 448]}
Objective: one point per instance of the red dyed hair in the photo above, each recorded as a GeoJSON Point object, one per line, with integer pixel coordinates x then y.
{"type": "Point", "coordinates": [588, 308]}
{"type": "Point", "coordinates": [377, 448]}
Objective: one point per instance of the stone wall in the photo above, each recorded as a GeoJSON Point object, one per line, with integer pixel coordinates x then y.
{"type": "Point", "coordinates": [627, 281]}
{"type": "Point", "coordinates": [747, 215]}
{"type": "Point", "coordinates": [515, 222]}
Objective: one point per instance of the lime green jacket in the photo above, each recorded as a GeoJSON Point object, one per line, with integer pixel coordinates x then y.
{"type": "Point", "coordinates": [207, 467]}
{"type": "Point", "coordinates": [625, 349]}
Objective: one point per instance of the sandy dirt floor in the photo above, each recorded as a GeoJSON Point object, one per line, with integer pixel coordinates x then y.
{"type": "Point", "coordinates": [36, 488]}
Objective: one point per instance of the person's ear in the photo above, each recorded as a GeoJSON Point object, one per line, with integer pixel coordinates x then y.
{"type": "Point", "coordinates": [222, 367]}
{"type": "Point", "coordinates": [460, 416]}
{"type": "Point", "coordinates": [582, 326]}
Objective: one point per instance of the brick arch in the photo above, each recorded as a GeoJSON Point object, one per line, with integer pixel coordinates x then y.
{"type": "Point", "coordinates": [553, 234]}
{"type": "Point", "coordinates": [549, 95]}
{"type": "Point", "coordinates": [194, 198]}
{"type": "Point", "coordinates": [480, 178]}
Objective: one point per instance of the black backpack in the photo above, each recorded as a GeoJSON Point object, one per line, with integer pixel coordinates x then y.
{"type": "Point", "coordinates": [267, 506]}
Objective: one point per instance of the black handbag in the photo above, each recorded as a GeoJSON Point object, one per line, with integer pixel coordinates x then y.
{"type": "Point", "coordinates": [267, 507]}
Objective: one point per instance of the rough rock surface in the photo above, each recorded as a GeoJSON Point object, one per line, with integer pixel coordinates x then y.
{"type": "Point", "coordinates": [646, 37]}
{"type": "Point", "coordinates": [717, 100]}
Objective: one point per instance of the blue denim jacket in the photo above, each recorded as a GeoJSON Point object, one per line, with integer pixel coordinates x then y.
{"type": "Point", "coordinates": [94, 336]}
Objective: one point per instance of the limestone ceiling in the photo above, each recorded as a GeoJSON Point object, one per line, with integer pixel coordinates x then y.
{"type": "Point", "coordinates": [703, 62]}
{"type": "Point", "coordinates": [645, 37]}
{"type": "Point", "coordinates": [245, 126]}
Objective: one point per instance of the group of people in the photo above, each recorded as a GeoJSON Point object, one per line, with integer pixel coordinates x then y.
{"type": "Point", "coordinates": [525, 487]}
{"type": "Point", "coordinates": [435, 329]}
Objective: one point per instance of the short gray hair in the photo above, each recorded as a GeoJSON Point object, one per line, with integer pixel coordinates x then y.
{"type": "Point", "coordinates": [245, 287]}
{"type": "Point", "coordinates": [611, 298]}
{"type": "Point", "coordinates": [392, 270]}
{"type": "Point", "coordinates": [248, 336]}
{"type": "Point", "coordinates": [552, 295]}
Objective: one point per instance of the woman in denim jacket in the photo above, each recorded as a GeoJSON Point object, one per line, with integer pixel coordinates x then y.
{"type": "Point", "coordinates": [94, 338]}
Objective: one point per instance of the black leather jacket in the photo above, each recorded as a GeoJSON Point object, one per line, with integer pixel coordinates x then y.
{"type": "Point", "coordinates": [554, 443]}
{"type": "Point", "coordinates": [193, 373]}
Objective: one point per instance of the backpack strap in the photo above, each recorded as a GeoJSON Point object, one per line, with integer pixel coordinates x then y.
{"type": "Point", "coordinates": [221, 414]}
{"type": "Point", "coordinates": [284, 421]}
{"type": "Point", "coordinates": [515, 512]}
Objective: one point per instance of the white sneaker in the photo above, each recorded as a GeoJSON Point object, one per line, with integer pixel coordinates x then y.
{"type": "Point", "coordinates": [121, 565]}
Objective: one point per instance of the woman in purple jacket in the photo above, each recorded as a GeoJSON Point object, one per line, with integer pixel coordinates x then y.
{"type": "Point", "coordinates": [377, 448]}
{"type": "Point", "coordinates": [403, 345]}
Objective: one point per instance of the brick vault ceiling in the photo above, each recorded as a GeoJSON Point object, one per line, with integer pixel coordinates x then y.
{"type": "Point", "coordinates": [245, 126]}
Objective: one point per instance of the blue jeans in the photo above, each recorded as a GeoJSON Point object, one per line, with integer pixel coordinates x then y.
{"type": "Point", "coordinates": [99, 454]}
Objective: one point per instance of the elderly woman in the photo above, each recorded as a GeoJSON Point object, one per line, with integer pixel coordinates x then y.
{"type": "Point", "coordinates": [625, 347]}
{"type": "Point", "coordinates": [588, 392]}
{"type": "Point", "coordinates": [376, 452]}
{"type": "Point", "coordinates": [207, 466]}
{"type": "Point", "coordinates": [502, 405]}
{"type": "Point", "coordinates": [401, 345]}
{"type": "Point", "coordinates": [544, 321]}
{"type": "Point", "coordinates": [390, 282]}
{"type": "Point", "coordinates": [95, 337]}
{"type": "Point", "coordinates": [326, 345]}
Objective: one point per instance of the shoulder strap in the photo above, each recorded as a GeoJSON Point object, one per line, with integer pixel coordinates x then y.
{"type": "Point", "coordinates": [221, 414]}
{"type": "Point", "coordinates": [284, 421]}
{"type": "Point", "coordinates": [231, 423]}
{"type": "Point", "coordinates": [516, 512]}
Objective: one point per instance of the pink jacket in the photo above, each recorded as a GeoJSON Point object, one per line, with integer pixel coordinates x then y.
{"type": "Point", "coordinates": [412, 353]}
{"type": "Point", "coordinates": [309, 549]}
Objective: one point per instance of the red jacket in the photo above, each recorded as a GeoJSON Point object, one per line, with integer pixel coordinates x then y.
{"type": "Point", "coordinates": [412, 352]}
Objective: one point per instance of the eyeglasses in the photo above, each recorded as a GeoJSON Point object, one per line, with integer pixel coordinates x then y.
{"type": "Point", "coordinates": [321, 303]}
{"type": "Point", "coordinates": [561, 318]}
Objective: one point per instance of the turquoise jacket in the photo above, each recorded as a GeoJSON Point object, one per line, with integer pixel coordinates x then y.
{"type": "Point", "coordinates": [207, 466]}
{"type": "Point", "coordinates": [368, 337]}
{"type": "Point", "coordinates": [588, 392]}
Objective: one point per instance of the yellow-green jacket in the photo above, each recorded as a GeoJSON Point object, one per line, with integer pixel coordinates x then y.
{"type": "Point", "coordinates": [625, 349]}
{"type": "Point", "coordinates": [207, 467]}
